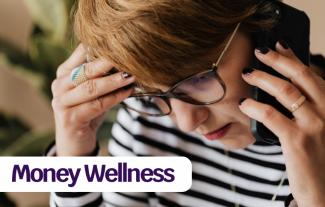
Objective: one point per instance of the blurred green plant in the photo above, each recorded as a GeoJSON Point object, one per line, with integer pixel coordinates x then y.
{"type": "Point", "coordinates": [50, 43]}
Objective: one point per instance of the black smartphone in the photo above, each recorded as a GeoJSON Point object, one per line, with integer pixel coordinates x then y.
{"type": "Point", "coordinates": [293, 27]}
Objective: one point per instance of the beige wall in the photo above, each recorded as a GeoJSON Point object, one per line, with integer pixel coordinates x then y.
{"type": "Point", "coordinates": [315, 9]}
{"type": "Point", "coordinates": [15, 23]}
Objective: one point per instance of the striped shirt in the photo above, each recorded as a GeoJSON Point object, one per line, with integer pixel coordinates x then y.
{"type": "Point", "coordinates": [256, 170]}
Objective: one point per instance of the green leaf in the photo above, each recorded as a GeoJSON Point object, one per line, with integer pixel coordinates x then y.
{"type": "Point", "coordinates": [46, 55]}
{"type": "Point", "coordinates": [35, 79]}
{"type": "Point", "coordinates": [29, 144]}
{"type": "Point", "coordinates": [51, 16]}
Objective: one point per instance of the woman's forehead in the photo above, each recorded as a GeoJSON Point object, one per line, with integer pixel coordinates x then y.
{"type": "Point", "coordinates": [202, 64]}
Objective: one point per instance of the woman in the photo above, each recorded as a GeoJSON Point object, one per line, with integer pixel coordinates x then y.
{"type": "Point", "coordinates": [156, 46]}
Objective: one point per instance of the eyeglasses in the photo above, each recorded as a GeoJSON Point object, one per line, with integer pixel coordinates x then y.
{"type": "Point", "coordinates": [203, 88]}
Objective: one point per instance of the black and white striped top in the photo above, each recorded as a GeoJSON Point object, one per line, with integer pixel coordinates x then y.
{"type": "Point", "coordinates": [256, 170]}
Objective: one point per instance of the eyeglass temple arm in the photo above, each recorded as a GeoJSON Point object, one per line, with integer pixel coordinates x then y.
{"type": "Point", "coordinates": [227, 45]}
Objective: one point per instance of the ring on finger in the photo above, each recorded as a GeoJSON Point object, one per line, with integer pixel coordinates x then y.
{"type": "Point", "coordinates": [297, 104]}
{"type": "Point", "coordinates": [78, 75]}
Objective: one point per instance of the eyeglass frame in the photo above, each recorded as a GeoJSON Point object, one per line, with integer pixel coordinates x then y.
{"type": "Point", "coordinates": [169, 93]}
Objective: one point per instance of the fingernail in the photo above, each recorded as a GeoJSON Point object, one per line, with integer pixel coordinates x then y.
{"type": "Point", "coordinates": [241, 100]}
{"type": "Point", "coordinates": [284, 44]}
{"type": "Point", "coordinates": [125, 75]}
{"type": "Point", "coordinates": [262, 50]}
{"type": "Point", "coordinates": [247, 71]}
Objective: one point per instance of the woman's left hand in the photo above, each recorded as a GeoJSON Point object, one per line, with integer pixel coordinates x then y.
{"type": "Point", "coordinates": [303, 137]}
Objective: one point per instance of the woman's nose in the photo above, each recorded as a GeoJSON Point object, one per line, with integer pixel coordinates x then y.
{"type": "Point", "coordinates": [187, 116]}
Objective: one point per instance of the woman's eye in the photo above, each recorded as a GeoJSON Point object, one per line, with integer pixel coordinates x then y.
{"type": "Point", "coordinates": [198, 79]}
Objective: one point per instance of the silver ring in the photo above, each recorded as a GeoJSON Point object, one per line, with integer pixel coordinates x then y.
{"type": "Point", "coordinates": [78, 75]}
{"type": "Point", "coordinates": [298, 103]}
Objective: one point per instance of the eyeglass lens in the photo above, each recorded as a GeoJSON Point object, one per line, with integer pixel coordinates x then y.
{"type": "Point", "coordinates": [200, 89]}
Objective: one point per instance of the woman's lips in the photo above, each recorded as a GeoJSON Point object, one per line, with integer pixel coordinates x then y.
{"type": "Point", "coordinates": [219, 133]}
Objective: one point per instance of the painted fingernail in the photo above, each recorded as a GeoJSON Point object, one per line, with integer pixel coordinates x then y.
{"type": "Point", "coordinates": [247, 71]}
{"type": "Point", "coordinates": [262, 50]}
{"type": "Point", "coordinates": [125, 75]}
{"type": "Point", "coordinates": [284, 44]}
{"type": "Point", "coordinates": [241, 100]}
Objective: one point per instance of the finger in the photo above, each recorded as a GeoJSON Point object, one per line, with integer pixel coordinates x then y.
{"type": "Point", "coordinates": [61, 85]}
{"type": "Point", "coordinates": [283, 48]}
{"type": "Point", "coordinates": [279, 124]}
{"type": "Point", "coordinates": [92, 109]}
{"type": "Point", "coordinates": [298, 73]}
{"type": "Point", "coordinates": [76, 58]}
{"type": "Point", "coordinates": [95, 88]}
{"type": "Point", "coordinates": [95, 69]}
{"type": "Point", "coordinates": [285, 92]}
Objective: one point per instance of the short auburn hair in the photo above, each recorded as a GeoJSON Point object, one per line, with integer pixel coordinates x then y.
{"type": "Point", "coordinates": [163, 41]}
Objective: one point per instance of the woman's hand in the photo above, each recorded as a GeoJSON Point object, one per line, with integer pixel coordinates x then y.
{"type": "Point", "coordinates": [80, 110]}
{"type": "Point", "coordinates": [303, 137]}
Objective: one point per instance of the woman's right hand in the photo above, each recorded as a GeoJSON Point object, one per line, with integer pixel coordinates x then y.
{"type": "Point", "coordinates": [80, 110]}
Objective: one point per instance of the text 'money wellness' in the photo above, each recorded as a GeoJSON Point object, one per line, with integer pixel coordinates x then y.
{"type": "Point", "coordinates": [88, 174]}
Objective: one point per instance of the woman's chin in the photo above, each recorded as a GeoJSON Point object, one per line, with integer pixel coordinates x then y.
{"type": "Point", "coordinates": [238, 142]}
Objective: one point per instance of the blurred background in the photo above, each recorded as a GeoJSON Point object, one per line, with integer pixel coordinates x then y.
{"type": "Point", "coordinates": [35, 37]}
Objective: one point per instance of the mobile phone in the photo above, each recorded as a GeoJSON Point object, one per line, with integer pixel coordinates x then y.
{"type": "Point", "coordinates": [293, 27]}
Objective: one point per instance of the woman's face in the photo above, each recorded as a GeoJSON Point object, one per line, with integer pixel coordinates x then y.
{"type": "Point", "coordinates": [206, 119]}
